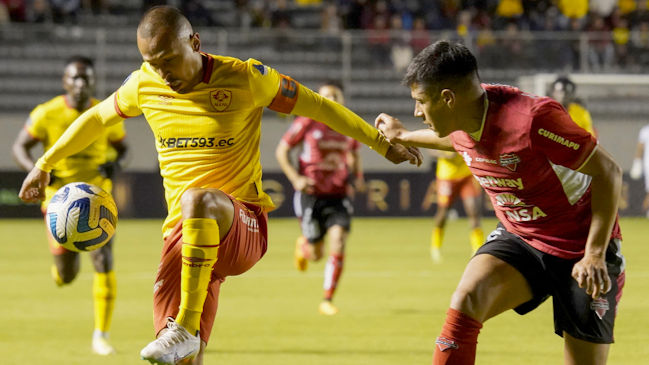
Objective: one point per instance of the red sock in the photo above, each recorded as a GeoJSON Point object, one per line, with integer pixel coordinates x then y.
{"type": "Point", "coordinates": [456, 345]}
{"type": "Point", "coordinates": [333, 269]}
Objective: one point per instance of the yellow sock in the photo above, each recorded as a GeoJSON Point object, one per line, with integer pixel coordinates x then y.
{"type": "Point", "coordinates": [104, 289]}
{"type": "Point", "coordinates": [201, 237]}
{"type": "Point", "coordinates": [476, 238]}
{"type": "Point", "coordinates": [58, 280]}
{"type": "Point", "coordinates": [436, 237]}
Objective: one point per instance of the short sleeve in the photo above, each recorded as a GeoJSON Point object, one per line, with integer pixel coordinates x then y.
{"type": "Point", "coordinates": [295, 134]}
{"type": "Point", "coordinates": [36, 124]}
{"type": "Point", "coordinates": [116, 132]}
{"type": "Point", "coordinates": [263, 81]}
{"type": "Point", "coordinates": [556, 136]}
{"type": "Point", "coordinates": [126, 98]}
{"type": "Point", "coordinates": [643, 136]}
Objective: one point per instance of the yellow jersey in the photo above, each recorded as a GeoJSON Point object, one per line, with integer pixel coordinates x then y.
{"type": "Point", "coordinates": [48, 121]}
{"type": "Point", "coordinates": [209, 137]}
{"type": "Point", "coordinates": [581, 116]}
{"type": "Point", "coordinates": [452, 168]}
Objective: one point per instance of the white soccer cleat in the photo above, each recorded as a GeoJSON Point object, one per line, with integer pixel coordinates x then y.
{"type": "Point", "coordinates": [174, 345]}
{"type": "Point", "coordinates": [435, 255]}
{"type": "Point", "coordinates": [100, 346]}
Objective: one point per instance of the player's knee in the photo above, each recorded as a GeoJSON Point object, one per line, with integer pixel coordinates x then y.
{"type": "Point", "coordinates": [467, 301]}
{"type": "Point", "coordinates": [203, 203]}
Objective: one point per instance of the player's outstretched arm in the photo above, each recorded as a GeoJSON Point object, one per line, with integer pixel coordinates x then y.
{"type": "Point", "coordinates": [312, 105]}
{"type": "Point", "coordinates": [606, 185]}
{"type": "Point", "coordinates": [79, 135]}
{"type": "Point", "coordinates": [299, 182]}
{"type": "Point", "coordinates": [395, 132]}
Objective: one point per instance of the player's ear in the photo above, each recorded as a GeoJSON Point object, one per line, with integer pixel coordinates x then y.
{"type": "Point", "coordinates": [195, 42]}
{"type": "Point", "coordinates": [448, 97]}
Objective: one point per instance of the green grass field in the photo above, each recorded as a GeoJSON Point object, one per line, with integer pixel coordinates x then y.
{"type": "Point", "coordinates": [392, 302]}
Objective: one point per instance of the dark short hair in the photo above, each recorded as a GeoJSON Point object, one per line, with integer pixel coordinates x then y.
{"type": "Point", "coordinates": [440, 62]}
{"type": "Point", "coordinates": [80, 59]}
{"type": "Point", "coordinates": [334, 83]}
{"type": "Point", "coordinates": [568, 86]}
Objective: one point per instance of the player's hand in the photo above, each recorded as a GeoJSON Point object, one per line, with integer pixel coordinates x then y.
{"type": "Point", "coordinates": [303, 183]}
{"type": "Point", "coordinates": [359, 184]}
{"type": "Point", "coordinates": [591, 275]}
{"type": "Point", "coordinates": [33, 188]}
{"type": "Point", "coordinates": [398, 153]}
{"type": "Point", "coordinates": [390, 127]}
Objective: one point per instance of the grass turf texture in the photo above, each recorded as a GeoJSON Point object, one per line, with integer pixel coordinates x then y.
{"type": "Point", "coordinates": [392, 302]}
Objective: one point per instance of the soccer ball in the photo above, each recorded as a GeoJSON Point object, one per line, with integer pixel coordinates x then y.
{"type": "Point", "coordinates": [81, 217]}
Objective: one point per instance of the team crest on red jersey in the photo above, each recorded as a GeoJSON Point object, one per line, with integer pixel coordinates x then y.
{"type": "Point", "coordinates": [510, 161]}
{"type": "Point", "coordinates": [600, 306]}
{"type": "Point", "coordinates": [220, 99]}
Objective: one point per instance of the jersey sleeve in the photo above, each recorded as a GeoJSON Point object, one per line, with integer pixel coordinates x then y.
{"type": "Point", "coordinates": [643, 136]}
{"type": "Point", "coordinates": [581, 116]}
{"type": "Point", "coordinates": [36, 125]}
{"type": "Point", "coordinates": [295, 133]}
{"type": "Point", "coordinates": [354, 145]}
{"type": "Point", "coordinates": [116, 132]}
{"type": "Point", "coordinates": [126, 98]}
{"type": "Point", "coordinates": [264, 83]}
{"type": "Point", "coordinates": [556, 136]}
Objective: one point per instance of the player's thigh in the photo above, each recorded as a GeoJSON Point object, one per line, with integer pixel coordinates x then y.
{"type": "Point", "coordinates": [490, 286]}
{"type": "Point", "coordinates": [102, 258]}
{"type": "Point", "coordinates": [311, 223]}
{"type": "Point", "coordinates": [470, 194]}
{"type": "Point", "coordinates": [576, 312]}
{"type": "Point", "coordinates": [208, 203]}
{"type": "Point", "coordinates": [67, 264]}
{"type": "Point", "coordinates": [445, 192]}
{"type": "Point", "coordinates": [580, 352]}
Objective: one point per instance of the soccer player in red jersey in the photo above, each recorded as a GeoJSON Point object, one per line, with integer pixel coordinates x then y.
{"type": "Point", "coordinates": [326, 162]}
{"type": "Point", "coordinates": [555, 192]}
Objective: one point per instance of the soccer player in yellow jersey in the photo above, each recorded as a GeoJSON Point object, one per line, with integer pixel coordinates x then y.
{"type": "Point", "coordinates": [205, 113]}
{"type": "Point", "coordinates": [45, 125]}
{"type": "Point", "coordinates": [564, 91]}
{"type": "Point", "coordinates": [454, 178]}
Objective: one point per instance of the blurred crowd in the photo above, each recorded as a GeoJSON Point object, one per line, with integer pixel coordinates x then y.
{"type": "Point", "coordinates": [618, 30]}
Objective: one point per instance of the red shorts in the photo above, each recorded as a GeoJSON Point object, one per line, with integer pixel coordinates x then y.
{"type": "Point", "coordinates": [448, 190]}
{"type": "Point", "coordinates": [239, 250]}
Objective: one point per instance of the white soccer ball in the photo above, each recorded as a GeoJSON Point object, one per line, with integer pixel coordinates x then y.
{"type": "Point", "coordinates": [81, 217]}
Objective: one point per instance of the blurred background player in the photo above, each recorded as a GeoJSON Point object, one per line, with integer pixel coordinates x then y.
{"type": "Point", "coordinates": [641, 164]}
{"type": "Point", "coordinates": [564, 91]}
{"type": "Point", "coordinates": [95, 165]}
{"type": "Point", "coordinates": [454, 178]}
{"type": "Point", "coordinates": [327, 161]}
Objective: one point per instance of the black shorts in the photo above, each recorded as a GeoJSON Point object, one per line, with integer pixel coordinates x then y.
{"type": "Point", "coordinates": [575, 312]}
{"type": "Point", "coordinates": [318, 214]}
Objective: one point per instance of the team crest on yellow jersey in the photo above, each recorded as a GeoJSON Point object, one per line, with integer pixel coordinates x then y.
{"type": "Point", "coordinates": [220, 99]}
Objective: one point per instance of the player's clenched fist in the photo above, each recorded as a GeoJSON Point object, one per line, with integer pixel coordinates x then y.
{"type": "Point", "coordinates": [390, 127]}
{"type": "Point", "coordinates": [33, 188]}
{"type": "Point", "coordinates": [398, 153]}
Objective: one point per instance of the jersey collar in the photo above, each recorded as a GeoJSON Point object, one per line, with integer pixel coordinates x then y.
{"type": "Point", "coordinates": [208, 65]}
{"type": "Point", "coordinates": [478, 134]}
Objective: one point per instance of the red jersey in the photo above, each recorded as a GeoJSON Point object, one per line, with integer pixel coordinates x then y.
{"type": "Point", "coordinates": [526, 161]}
{"type": "Point", "coordinates": [324, 155]}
